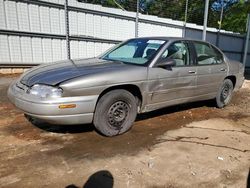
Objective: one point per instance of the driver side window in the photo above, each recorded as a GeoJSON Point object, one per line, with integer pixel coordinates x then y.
{"type": "Point", "coordinates": [178, 52]}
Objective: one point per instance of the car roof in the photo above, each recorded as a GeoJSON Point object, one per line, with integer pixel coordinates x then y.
{"type": "Point", "coordinates": [171, 39]}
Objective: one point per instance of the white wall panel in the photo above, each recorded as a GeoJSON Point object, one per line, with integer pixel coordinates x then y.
{"type": "Point", "coordinates": [23, 17]}
{"type": "Point", "coordinates": [4, 49]}
{"type": "Point", "coordinates": [63, 49]}
{"type": "Point", "coordinates": [55, 1]}
{"type": "Point", "coordinates": [45, 19]}
{"type": "Point", "coordinates": [90, 49]}
{"type": "Point", "coordinates": [81, 24]}
{"type": "Point", "coordinates": [62, 22]}
{"type": "Point", "coordinates": [105, 47]}
{"type": "Point", "coordinates": [89, 24]}
{"type": "Point", "coordinates": [73, 30]}
{"type": "Point", "coordinates": [47, 50]}
{"type": "Point", "coordinates": [105, 27]}
{"type": "Point", "coordinates": [11, 15]}
{"type": "Point", "coordinates": [15, 49]}
{"type": "Point", "coordinates": [34, 18]}
{"type": "Point", "coordinates": [111, 27]}
{"type": "Point", "coordinates": [74, 49]}
{"type": "Point", "coordinates": [2, 16]}
{"type": "Point", "coordinates": [26, 49]}
{"type": "Point", "coordinates": [82, 49]}
{"type": "Point", "coordinates": [118, 29]}
{"type": "Point", "coordinates": [98, 49]}
{"type": "Point", "coordinates": [37, 50]}
{"type": "Point", "coordinates": [55, 20]}
{"type": "Point", "coordinates": [56, 49]}
{"type": "Point", "coordinates": [97, 26]}
{"type": "Point", "coordinates": [132, 30]}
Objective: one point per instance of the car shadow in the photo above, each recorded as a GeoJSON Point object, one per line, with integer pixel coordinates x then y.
{"type": "Point", "coordinates": [74, 129]}
{"type": "Point", "coordinates": [100, 179]}
{"type": "Point", "coordinates": [247, 76]}
{"type": "Point", "coordinates": [176, 108]}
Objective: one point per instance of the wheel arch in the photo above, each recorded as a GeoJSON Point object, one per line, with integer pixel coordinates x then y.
{"type": "Point", "coordinates": [133, 89]}
{"type": "Point", "coordinates": [232, 78]}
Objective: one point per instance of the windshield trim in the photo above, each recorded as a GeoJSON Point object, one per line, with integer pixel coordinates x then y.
{"type": "Point", "coordinates": [125, 62]}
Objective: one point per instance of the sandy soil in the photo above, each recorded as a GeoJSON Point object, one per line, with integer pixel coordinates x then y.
{"type": "Point", "coordinates": [191, 145]}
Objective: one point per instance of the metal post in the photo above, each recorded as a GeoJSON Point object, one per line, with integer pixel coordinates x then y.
{"type": "Point", "coordinates": [185, 21]}
{"type": "Point", "coordinates": [246, 43]}
{"type": "Point", "coordinates": [67, 28]}
{"type": "Point", "coordinates": [137, 19]}
{"type": "Point", "coordinates": [205, 20]}
{"type": "Point", "coordinates": [220, 22]}
{"type": "Point", "coordinates": [221, 18]}
{"type": "Point", "coordinates": [221, 15]}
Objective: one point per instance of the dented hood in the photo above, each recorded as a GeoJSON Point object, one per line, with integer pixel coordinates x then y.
{"type": "Point", "coordinates": [55, 73]}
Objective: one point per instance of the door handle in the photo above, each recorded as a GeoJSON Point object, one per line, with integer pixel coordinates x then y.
{"type": "Point", "coordinates": [223, 69]}
{"type": "Point", "coordinates": [192, 72]}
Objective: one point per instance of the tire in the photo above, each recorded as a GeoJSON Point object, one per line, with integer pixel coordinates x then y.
{"type": "Point", "coordinates": [115, 112]}
{"type": "Point", "coordinates": [224, 94]}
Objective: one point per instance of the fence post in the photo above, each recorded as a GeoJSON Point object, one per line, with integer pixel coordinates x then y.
{"type": "Point", "coordinates": [218, 39]}
{"type": "Point", "coordinates": [246, 43]}
{"type": "Point", "coordinates": [185, 21]}
{"type": "Point", "coordinates": [137, 19]}
{"type": "Point", "coordinates": [205, 20]}
{"type": "Point", "coordinates": [67, 29]}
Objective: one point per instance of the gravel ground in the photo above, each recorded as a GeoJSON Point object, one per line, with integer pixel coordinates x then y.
{"type": "Point", "coordinates": [191, 145]}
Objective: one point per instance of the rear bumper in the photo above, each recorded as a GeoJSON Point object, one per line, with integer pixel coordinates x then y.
{"type": "Point", "coordinates": [49, 111]}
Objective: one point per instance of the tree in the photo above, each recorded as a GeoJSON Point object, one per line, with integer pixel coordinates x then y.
{"type": "Point", "coordinates": [235, 19]}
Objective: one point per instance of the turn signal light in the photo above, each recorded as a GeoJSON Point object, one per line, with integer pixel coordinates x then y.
{"type": "Point", "coordinates": [63, 106]}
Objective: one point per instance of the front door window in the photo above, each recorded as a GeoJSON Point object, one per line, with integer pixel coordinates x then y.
{"type": "Point", "coordinates": [178, 52]}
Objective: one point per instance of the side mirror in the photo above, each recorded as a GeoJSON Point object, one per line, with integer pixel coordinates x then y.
{"type": "Point", "coordinates": [167, 63]}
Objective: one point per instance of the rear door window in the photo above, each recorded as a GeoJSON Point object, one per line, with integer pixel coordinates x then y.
{"type": "Point", "coordinates": [207, 55]}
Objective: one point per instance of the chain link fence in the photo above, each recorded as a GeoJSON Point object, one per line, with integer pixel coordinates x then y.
{"type": "Point", "coordinates": [43, 31]}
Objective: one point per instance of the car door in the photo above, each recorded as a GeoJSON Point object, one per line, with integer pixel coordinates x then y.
{"type": "Point", "coordinates": [172, 85]}
{"type": "Point", "coordinates": [211, 69]}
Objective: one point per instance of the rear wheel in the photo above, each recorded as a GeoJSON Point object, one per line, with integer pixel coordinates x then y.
{"type": "Point", "coordinates": [225, 93]}
{"type": "Point", "coordinates": [115, 112]}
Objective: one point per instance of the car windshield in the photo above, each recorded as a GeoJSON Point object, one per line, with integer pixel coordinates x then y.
{"type": "Point", "coordinates": [135, 51]}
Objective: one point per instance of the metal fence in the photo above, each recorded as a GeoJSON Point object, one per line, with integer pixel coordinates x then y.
{"type": "Point", "coordinates": [34, 32]}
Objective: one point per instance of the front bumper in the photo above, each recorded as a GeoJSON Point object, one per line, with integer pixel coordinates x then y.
{"type": "Point", "coordinates": [48, 109]}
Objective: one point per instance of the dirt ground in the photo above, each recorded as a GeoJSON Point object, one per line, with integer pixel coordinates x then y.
{"type": "Point", "coordinates": [191, 145]}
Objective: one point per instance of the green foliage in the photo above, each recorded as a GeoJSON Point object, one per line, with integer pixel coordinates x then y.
{"type": "Point", "coordinates": [235, 19]}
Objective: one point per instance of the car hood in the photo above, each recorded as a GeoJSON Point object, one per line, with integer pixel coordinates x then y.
{"type": "Point", "coordinates": [55, 73]}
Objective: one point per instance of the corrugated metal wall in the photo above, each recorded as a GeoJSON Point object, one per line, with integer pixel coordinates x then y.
{"type": "Point", "coordinates": [231, 44]}
{"type": "Point", "coordinates": [34, 31]}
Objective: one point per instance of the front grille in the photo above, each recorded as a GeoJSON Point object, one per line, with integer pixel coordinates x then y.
{"type": "Point", "coordinates": [21, 86]}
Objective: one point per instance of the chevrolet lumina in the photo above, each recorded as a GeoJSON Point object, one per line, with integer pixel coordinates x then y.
{"type": "Point", "coordinates": [136, 76]}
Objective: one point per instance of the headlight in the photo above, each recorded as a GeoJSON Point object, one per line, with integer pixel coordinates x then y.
{"type": "Point", "coordinates": [45, 91]}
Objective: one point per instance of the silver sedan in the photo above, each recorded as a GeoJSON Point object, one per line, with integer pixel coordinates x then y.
{"type": "Point", "coordinates": [136, 76]}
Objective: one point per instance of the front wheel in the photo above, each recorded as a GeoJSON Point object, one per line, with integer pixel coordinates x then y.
{"type": "Point", "coordinates": [115, 112]}
{"type": "Point", "coordinates": [224, 94]}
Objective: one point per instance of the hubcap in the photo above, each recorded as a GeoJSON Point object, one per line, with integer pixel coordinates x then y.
{"type": "Point", "coordinates": [225, 94]}
{"type": "Point", "coordinates": [118, 113]}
